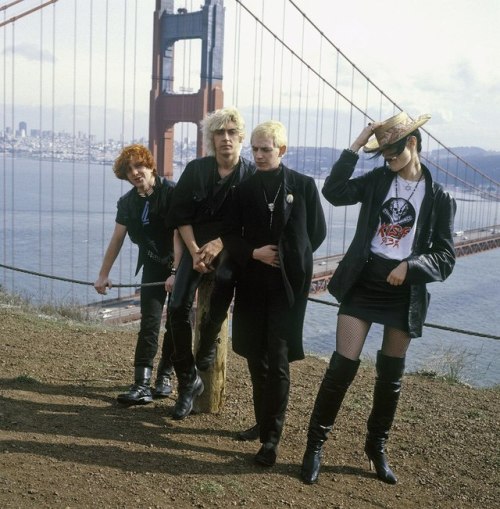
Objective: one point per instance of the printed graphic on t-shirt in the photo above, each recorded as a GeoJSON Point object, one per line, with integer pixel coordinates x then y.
{"type": "Point", "coordinates": [145, 214]}
{"type": "Point", "coordinates": [397, 217]}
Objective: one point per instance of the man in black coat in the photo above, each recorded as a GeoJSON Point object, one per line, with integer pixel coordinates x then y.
{"type": "Point", "coordinates": [199, 205]}
{"type": "Point", "coordinates": [276, 224]}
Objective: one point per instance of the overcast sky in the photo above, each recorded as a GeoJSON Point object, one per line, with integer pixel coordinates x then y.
{"type": "Point", "coordinates": [429, 56]}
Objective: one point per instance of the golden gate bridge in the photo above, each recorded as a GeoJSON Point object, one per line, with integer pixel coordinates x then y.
{"type": "Point", "coordinates": [87, 79]}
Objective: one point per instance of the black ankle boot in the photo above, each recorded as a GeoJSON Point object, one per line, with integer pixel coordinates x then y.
{"type": "Point", "coordinates": [190, 386]}
{"type": "Point", "coordinates": [163, 384]}
{"type": "Point", "coordinates": [207, 349]}
{"type": "Point", "coordinates": [338, 377]}
{"type": "Point", "coordinates": [385, 401]}
{"type": "Point", "coordinates": [140, 392]}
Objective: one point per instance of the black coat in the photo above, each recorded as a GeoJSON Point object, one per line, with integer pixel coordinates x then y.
{"type": "Point", "coordinates": [303, 229]}
{"type": "Point", "coordinates": [433, 253]}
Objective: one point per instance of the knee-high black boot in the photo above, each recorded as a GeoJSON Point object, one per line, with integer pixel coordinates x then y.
{"type": "Point", "coordinates": [385, 401]}
{"type": "Point", "coordinates": [338, 377]}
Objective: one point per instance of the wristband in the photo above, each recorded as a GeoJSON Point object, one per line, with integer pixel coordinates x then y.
{"type": "Point", "coordinates": [351, 152]}
{"type": "Point", "coordinates": [173, 271]}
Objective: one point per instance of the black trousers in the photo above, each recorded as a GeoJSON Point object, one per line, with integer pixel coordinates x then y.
{"type": "Point", "coordinates": [187, 281]}
{"type": "Point", "coordinates": [269, 365]}
{"type": "Point", "coordinates": [152, 301]}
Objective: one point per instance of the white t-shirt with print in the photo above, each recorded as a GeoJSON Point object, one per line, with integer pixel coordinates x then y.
{"type": "Point", "coordinates": [398, 219]}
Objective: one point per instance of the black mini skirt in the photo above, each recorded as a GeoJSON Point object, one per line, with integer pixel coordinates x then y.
{"type": "Point", "coordinates": [374, 300]}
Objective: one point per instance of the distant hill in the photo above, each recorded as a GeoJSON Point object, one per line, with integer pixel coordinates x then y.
{"type": "Point", "coordinates": [319, 160]}
{"type": "Point", "coordinates": [486, 161]}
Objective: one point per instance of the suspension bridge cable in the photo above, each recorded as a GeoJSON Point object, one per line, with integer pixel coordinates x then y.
{"type": "Point", "coordinates": [40, 163]}
{"type": "Point", "coordinates": [158, 283]}
{"type": "Point", "coordinates": [430, 325]}
{"type": "Point", "coordinates": [294, 53]}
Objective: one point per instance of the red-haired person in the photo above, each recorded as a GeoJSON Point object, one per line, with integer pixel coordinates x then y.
{"type": "Point", "coordinates": [141, 214]}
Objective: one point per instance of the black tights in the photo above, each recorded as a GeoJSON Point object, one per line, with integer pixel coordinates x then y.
{"type": "Point", "coordinates": [352, 332]}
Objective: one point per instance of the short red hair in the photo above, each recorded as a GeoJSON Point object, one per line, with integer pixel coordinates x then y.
{"type": "Point", "coordinates": [137, 154]}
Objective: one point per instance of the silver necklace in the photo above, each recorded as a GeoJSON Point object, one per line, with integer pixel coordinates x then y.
{"type": "Point", "coordinates": [407, 187]}
{"type": "Point", "coordinates": [271, 204]}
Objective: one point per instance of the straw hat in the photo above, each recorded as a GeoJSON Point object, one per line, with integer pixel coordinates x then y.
{"type": "Point", "coordinates": [394, 129]}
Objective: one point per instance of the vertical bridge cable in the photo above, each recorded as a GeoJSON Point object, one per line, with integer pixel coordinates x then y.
{"type": "Point", "coordinates": [319, 121]}
{"type": "Point", "coordinates": [105, 125]}
{"type": "Point", "coordinates": [282, 57]}
{"type": "Point", "coordinates": [236, 60]}
{"type": "Point", "coordinates": [4, 155]}
{"type": "Point", "coordinates": [259, 100]}
{"type": "Point", "coordinates": [73, 161]}
{"type": "Point", "coordinates": [134, 74]}
{"type": "Point", "coordinates": [254, 72]}
{"type": "Point", "coordinates": [122, 137]}
{"type": "Point", "coordinates": [299, 120]}
{"type": "Point", "coordinates": [40, 162]}
{"type": "Point", "coordinates": [52, 169]}
{"type": "Point", "coordinates": [90, 110]}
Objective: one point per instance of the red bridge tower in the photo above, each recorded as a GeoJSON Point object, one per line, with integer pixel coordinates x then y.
{"type": "Point", "coordinates": [168, 107]}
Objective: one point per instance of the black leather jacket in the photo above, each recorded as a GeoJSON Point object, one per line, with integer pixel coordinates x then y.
{"type": "Point", "coordinates": [433, 252]}
{"type": "Point", "coordinates": [194, 201]}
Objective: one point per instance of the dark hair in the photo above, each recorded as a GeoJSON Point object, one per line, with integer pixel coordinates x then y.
{"type": "Point", "coordinates": [400, 145]}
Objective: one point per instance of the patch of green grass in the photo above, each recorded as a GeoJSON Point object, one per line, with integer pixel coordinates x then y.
{"type": "Point", "coordinates": [63, 310]}
{"type": "Point", "coordinates": [448, 365]}
{"type": "Point", "coordinates": [211, 487]}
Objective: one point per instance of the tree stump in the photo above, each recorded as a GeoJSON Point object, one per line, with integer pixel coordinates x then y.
{"type": "Point", "coordinates": [212, 399]}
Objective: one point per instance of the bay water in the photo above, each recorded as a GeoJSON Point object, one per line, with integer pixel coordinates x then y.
{"type": "Point", "coordinates": [57, 218]}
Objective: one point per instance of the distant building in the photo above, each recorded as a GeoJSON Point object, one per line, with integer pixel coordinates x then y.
{"type": "Point", "coordinates": [23, 129]}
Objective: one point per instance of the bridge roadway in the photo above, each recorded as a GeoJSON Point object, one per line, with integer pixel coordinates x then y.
{"type": "Point", "coordinates": [126, 309]}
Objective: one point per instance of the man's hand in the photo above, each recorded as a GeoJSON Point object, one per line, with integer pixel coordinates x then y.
{"type": "Point", "coordinates": [206, 255]}
{"type": "Point", "coordinates": [267, 254]}
{"type": "Point", "coordinates": [102, 284]}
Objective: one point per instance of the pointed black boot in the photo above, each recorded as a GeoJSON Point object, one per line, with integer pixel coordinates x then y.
{"type": "Point", "coordinates": [338, 377]}
{"type": "Point", "coordinates": [190, 386]}
{"type": "Point", "coordinates": [207, 349]}
{"type": "Point", "coordinates": [140, 392]}
{"type": "Point", "coordinates": [385, 401]}
{"type": "Point", "coordinates": [163, 384]}
{"type": "Point", "coordinates": [249, 434]}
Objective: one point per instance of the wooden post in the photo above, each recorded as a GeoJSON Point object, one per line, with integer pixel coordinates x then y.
{"type": "Point", "coordinates": [212, 399]}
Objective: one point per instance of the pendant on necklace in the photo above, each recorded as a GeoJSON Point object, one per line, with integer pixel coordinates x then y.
{"type": "Point", "coordinates": [408, 187]}
{"type": "Point", "coordinates": [270, 206]}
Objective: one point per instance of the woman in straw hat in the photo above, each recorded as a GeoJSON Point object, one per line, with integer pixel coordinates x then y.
{"type": "Point", "coordinates": [403, 240]}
